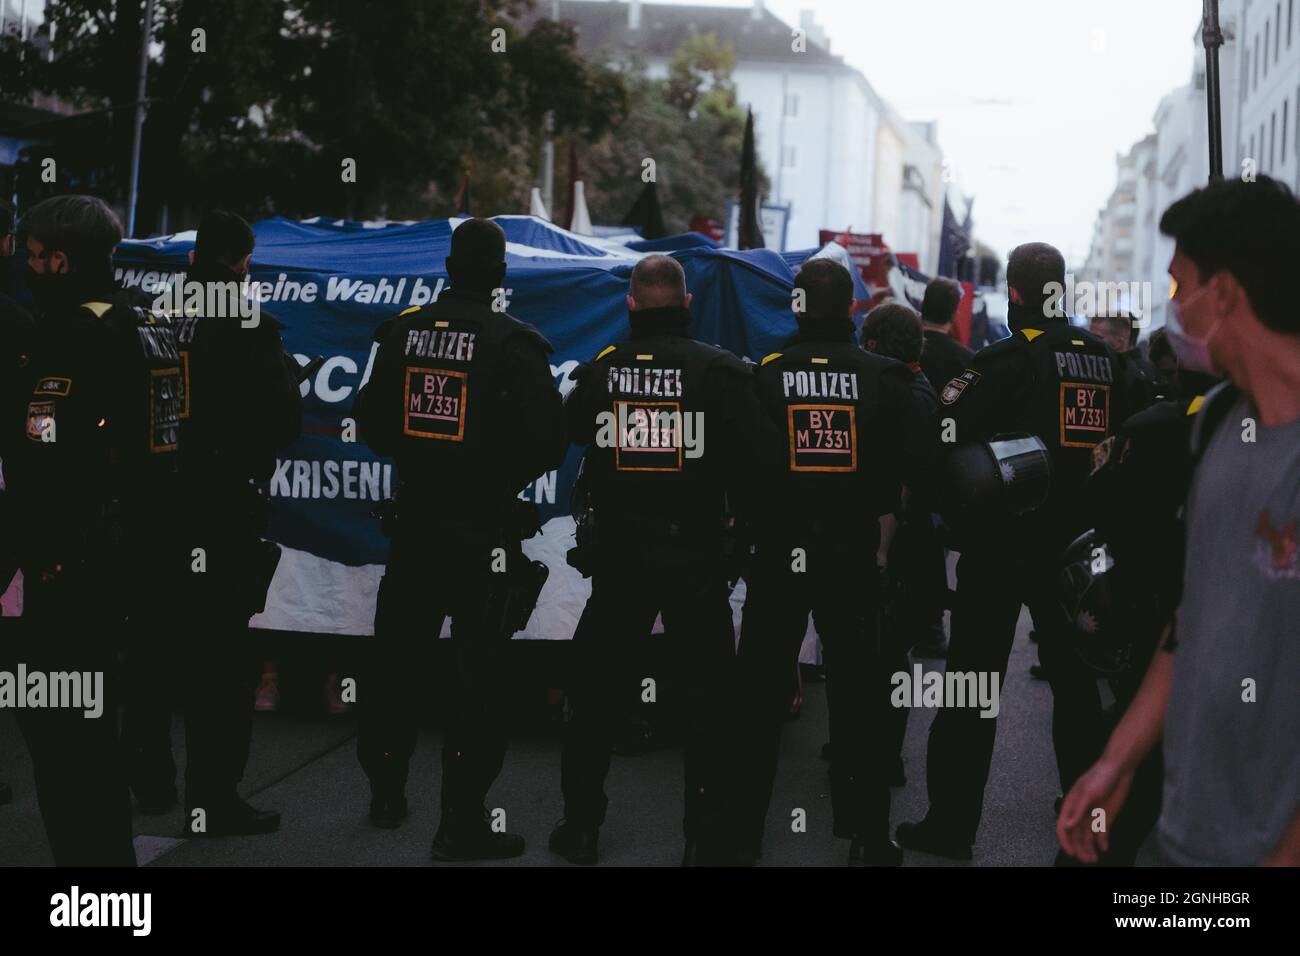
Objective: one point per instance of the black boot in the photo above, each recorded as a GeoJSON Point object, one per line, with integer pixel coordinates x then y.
{"type": "Point", "coordinates": [388, 807]}
{"type": "Point", "coordinates": [575, 843]}
{"type": "Point", "coordinates": [928, 838]}
{"type": "Point", "coordinates": [879, 852]}
{"type": "Point", "coordinates": [461, 839]}
{"type": "Point", "coordinates": [230, 817]}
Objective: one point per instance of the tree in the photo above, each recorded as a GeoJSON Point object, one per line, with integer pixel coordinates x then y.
{"type": "Point", "coordinates": [690, 125]}
{"type": "Point", "coordinates": [260, 108]}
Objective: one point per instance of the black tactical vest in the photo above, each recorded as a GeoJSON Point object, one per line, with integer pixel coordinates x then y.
{"type": "Point", "coordinates": [823, 398]}
{"type": "Point", "coordinates": [1077, 397]}
{"type": "Point", "coordinates": [651, 461]}
{"type": "Point", "coordinates": [454, 432]}
{"type": "Point", "coordinates": [102, 429]}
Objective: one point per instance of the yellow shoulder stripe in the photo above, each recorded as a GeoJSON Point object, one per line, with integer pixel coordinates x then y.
{"type": "Point", "coordinates": [99, 308]}
{"type": "Point", "coordinates": [1031, 334]}
{"type": "Point", "coordinates": [605, 351]}
{"type": "Point", "coordinates": [774, 355]}
{"type": "Point", "coordinates": [414, 308]}
{"type": "Point", "coordinates": [1195, 405]}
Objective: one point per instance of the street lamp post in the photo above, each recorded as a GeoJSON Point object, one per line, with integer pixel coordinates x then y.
{"type": "Point", "coordinates": [1212, 39]}
{"type": "Point", "coordinates": [146, 37]}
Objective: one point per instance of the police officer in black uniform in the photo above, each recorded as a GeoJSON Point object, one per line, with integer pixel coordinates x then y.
{"type": "Point", "coordinates": [241, 404]}
{"type": "Point", "coordinates": [94, 481]}
{"type": "Point", "coordinates": [1135, 494]}
{"type": "Point", "coordinates": [840, 429]}
{"type": "Point", "coordinates": [463, 397]}
{"type": "Point", "coordinates": [16, 329]}
{"type": "Point", "coordinates": [1063, 385]}
{"type": "Point", "coordinates": [670, 426]}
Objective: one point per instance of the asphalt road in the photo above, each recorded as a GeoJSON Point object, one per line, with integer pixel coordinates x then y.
{"type": "Point", "coordinates": [306, 767]}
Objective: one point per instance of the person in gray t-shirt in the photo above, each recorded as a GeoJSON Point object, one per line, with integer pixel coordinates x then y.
{"type": "Point", "coordinates": [1224, 690]}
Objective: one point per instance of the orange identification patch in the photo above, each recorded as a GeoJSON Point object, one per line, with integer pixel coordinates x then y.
{"type": "Point", "coordinates": [1085, 414]}
{"type": "Point", "coordinates": [434, 400]}
{"type": "Point", "coordinates": [823, 437]}
{"type": "Point", "coordinates": [648, 437]}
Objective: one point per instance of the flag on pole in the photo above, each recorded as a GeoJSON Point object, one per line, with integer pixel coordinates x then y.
{"type": "Point", "coordinates": [581, 222]}
{"type": "Point", "coordinates": [646, 213]}
{"type": "Point", "coordinates": [750, 231]}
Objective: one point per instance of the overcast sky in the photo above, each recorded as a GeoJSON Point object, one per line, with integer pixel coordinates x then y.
{"type": "Point", "coordinates": [1033, 97]}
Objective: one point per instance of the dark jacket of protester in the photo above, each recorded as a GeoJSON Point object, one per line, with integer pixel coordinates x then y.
{"type": "Point", "coordinates": [943, 358]}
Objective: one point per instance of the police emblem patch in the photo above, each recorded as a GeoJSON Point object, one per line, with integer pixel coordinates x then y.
{"type": "Point", "coordinates": [40, 418]}
{"type": "Point", "coordinates": [952, 391]}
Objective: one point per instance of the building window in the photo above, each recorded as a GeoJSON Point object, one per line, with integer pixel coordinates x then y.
{"type": "Point", "coordinates": [1262, 143]}
{"type": "Point", "coordinates": [1245, 86]}
{"type": "Point", "coordinates": [1256, 61]}
{"type": "Point", "coordinates": [1290, 11]}
{"type": "Point", "coordinates": [792, 104]}
{"type": "Point", "coordinates": [1251, 154]}
{"type": "Point", "coordinates": [1272, 139]}
{"type": "Point", "coordinates": [1286, 113]}
{"type": "Point", "coordinates": [788, 157]}
{"type": "Point", "coordinates": [1266, 28]}
{"type": "Point", "coordinates": [1277, 34]}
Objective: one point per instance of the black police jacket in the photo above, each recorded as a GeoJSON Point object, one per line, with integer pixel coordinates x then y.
{"type": "Point", "coordinates": [843, 432]}
{"type": "Point", "coordinates": [670, 425]}
{"type": "Point", "coordinates": [463, 397]}
{"type": "Point", "coordinates": [1049, 379]}
{"type": "Point", "coordinates": [99, 430]}
{"type": "Point", "coordinates": [242, 401]}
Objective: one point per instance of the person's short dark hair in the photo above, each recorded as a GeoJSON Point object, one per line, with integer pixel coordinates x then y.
{"type": "Point", "coordinates": [478, 255]}
{"type": "Point", "coordinates": [942, 296]}
{"type": "Point", "coordinates": [1158, 347]}
{"type": "Point", "coordinates": [1121, 322]}
{"type": "Point", "coordinates": [1032, 269]}
{"type": "Point", "coordinates": [658, 281]}
{"type": "Point", "coordinates": [1250, 230]}
{"type": "Point", "coordinates": [223, 237]}
{"type": "Point", "coordinates": [83, 228]}
{"type": "Point", "coordinates": [896, 330]}
{"type": "Point", "coordinates": [6, 218]}
{"type": "Point", "coordinates": [827, 287]}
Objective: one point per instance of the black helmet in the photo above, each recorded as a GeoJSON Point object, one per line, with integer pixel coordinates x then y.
{"type": "Point", "coordinates": [985, 482]}
{"type": "Point", "coordinates": [1090, 594]}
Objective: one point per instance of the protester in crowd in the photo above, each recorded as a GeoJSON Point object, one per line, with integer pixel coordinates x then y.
{"type": "Point", "coordinates": [1223, 684]}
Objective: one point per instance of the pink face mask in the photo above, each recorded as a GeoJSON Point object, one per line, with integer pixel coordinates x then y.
{"type": "Point", "coordinates": [1193, 352]}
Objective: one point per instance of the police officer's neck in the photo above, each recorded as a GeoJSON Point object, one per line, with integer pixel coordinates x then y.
{"type": "Point", "coordinates": [472, 293]}
{"type": "Point", "coordinates": [88, 284]}
{"type": "Point", "coordinates": [825, 326]}
{"type": "Point", "coordinates": [1032, 317]}
{"type": "Point", "coordinates": [660, 320]}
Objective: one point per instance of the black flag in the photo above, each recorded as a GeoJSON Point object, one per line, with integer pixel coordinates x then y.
{"type": "Point", "coordinates": [646, 214]}
{"type": "Point", "coordinates": [749, 234]}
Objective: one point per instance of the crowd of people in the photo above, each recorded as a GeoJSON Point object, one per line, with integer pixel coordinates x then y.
{"type": "Point", "coordinates": [1143, 507]}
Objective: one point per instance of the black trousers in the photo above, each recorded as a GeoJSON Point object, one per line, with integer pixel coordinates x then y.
{"type": "Point", "coordinates": [839, 587]}
{"type": "Point", "coordinates": [627, 593]}
{"type": "Point", "coordinates": [80, 785]}
{"type": "Point", "coordinates": [190, 646]}
{"type": "Point", "coordinates": [991, 588]}
{"type": "Point", "coordinates": [435, 572]}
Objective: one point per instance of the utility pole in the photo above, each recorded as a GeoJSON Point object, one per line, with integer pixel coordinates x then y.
{"type": "Point", "coordinates": [1212, 39]}
{"type": "Point", "coordinates": [146, 37]}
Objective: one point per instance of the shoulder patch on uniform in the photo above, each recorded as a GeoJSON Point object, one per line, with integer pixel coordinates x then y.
{"type": "Point", "coordinates": [414, 308]}
{"type": "Point", "coordinates": [774, 355]}
{"type": "Point", "coordinates": [53, 386]}
{"type": "Point", "coordinates": [1195, 405]}
{"type": "Point", "coordinates": [98, 308]}
{"type": "Point", "coordinates": [1031, 334]}
{"type": "Point", "coordinates": [821, 361]}
{"type": "Point", "coordinates": [605, 351]}
{"type": "Point", "coordinates": [645, 357]}
{"type": "Point", "coordinates": [952, 391]}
